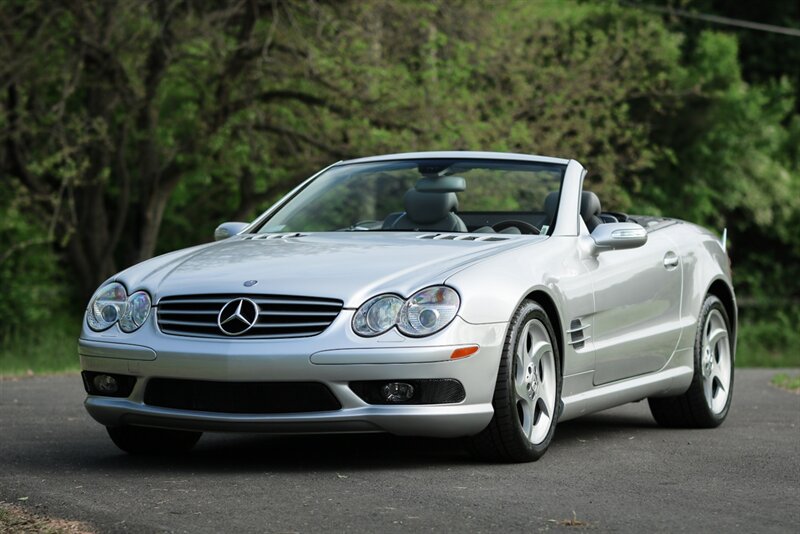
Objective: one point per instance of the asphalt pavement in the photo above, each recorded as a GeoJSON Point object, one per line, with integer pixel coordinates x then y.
{"type": "Point", "coordinates": [612, 471]}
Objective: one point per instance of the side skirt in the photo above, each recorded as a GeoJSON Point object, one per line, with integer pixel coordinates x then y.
{"type": "Point", "coordinates": [662, 383]}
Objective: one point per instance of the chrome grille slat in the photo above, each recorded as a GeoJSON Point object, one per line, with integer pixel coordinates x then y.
{"type": "Point", "coordinates": [295, 303]}
{"type": "Point", "coordinates": [220, 336]}
{"type": "Point", "coordinates": [259, 301]}
{"type": "Point", "coordinates": [279, 316]}
{"type": "Point", "coordinates": [299, 313]}
{"type": "Point", "coordinates": [197, 301]}
{"type": "Point", "coordinates": [290, 325]}
{"type": "Point", "coordinates": [189, 312]}
{"type": "Point", "coordinates": [186, 323]}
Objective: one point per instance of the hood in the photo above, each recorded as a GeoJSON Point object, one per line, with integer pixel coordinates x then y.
{"type": "Point", "coordinates": [351, 267]}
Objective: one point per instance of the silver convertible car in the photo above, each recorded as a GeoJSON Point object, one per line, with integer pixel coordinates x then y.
{"type": "Point", "coordinates": [476, 295]}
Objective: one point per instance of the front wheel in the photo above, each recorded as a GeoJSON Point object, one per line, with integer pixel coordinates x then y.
{"type": "Point", "coordinates": [708, 399]}
{"type": "Point", "coordinates": [527, 392]}
{"type": "Point", "coordinates": [145, 440]}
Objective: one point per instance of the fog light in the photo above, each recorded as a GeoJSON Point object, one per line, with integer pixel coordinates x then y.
{"type": "Point", "coordinates": [397, 391]}
{"type": "Point", "coordinates": [105, 384]}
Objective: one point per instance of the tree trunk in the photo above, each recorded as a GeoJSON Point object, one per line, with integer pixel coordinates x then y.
{"type": "Point", "coordinates": [151, 221]}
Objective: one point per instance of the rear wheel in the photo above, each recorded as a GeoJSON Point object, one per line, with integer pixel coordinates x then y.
{"type": "Point", "coordinates": [527, 391]}
{"type": "Point", "coordinates": [707, 401]}
{"type": "Point", "coordinates": [145, 440]}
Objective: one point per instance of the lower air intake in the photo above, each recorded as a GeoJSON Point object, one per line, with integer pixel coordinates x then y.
{"type": "Point", "coordinates": [240, 397]}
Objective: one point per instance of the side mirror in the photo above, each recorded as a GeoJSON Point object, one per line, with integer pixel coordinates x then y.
{"type": "Point", "coordinates": [616, 236]}
{"type": "Point", "coordinates": [228, 229]}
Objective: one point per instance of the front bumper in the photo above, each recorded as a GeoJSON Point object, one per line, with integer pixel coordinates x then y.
{"type": "Point", "coordinates": [334, 358]}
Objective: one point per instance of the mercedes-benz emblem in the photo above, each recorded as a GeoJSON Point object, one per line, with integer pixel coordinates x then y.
{"type": "Point", "coordinates": [237, 316]}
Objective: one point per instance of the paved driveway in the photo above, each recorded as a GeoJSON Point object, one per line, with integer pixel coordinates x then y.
{"type": "Point", "coordinates": [615, 471]}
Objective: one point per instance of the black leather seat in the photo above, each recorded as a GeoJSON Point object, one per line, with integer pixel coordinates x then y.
{"type": "Point", "coordinates": [428, 211]}
{"type": "Point", "coordinates": [550, 207]}
{"type": "Point", "coordinates": [590, 209]}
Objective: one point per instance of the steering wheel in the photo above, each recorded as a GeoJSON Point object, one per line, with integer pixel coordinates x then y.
{"type": "Point", "coordinates": [525, 228]}
{"type": "Point", "coordinates": [366, 224]}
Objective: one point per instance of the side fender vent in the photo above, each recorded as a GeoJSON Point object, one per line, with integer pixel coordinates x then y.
{"type": "Point", "coordinates": [577, 334]}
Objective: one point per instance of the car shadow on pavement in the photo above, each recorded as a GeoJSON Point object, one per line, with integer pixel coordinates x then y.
{"type": "Point", "coordinates": [248, 452]}
{"type": "Point", "coordinates": [602, 426]}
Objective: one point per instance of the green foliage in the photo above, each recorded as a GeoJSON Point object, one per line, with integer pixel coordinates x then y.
{"type": "Point", "coordinates": [769, 338]}
{"type": "Point", "coordinates": [125, 122]}
{"type": "Point", "coordinates": [784, 381]}
{"type": "Point", "coordinates": [33, 287]}
{"type": "Point", "coordinates": [730, 165]}
{"type": "Point", "coordinates": [51, 347]}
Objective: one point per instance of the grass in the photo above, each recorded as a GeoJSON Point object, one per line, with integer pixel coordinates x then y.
{"type": "Point", "coordinates": [53, 349]}
{"type": "Point", "coordinates": [789, 383]}
{"type": "Point", "coordinates": [21, 521]}
{"type": "Point", "coordinates": [762, 342]}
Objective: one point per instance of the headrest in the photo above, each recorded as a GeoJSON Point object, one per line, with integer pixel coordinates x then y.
{"type": "Point", "coordinates": [428, 208]}
{"type": "Point", "coordinates": [590, 205]}
{"type": "Point", "coordinates": [551, 206]}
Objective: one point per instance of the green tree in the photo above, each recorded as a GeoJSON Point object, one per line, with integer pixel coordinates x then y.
{"type": "Point", "coordinates": [132, 128]}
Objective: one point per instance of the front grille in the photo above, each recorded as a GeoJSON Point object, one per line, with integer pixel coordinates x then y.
{"type": "Point", "coordinates": [240, 397]}
{"type": "Point", "coordinates": [279, 316]}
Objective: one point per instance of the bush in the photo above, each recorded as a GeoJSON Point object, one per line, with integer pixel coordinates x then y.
{"type": "Point", "coordinates": [768, 339]}
{"type": "Point", "coordinates": [50, 347]}
{"type": "Point", "coordinates": [33, 286]}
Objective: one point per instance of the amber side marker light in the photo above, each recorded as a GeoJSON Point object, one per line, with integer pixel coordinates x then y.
{"type": "Point", "coordinates": [464, 352]}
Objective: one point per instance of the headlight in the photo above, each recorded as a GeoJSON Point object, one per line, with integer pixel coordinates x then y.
{"type": "Point", "coordinates": [107, 306]}
{"type": "Point", "coordinates": [377, 315]}
{"type": "Point", "coordinates": [136, 313]}
{"type": "Point", "coordinates": [425, 313]}
{"type": "Point", "coordinates": [111, 304]}
{"type": "Point", "coordinates": [428, 311]}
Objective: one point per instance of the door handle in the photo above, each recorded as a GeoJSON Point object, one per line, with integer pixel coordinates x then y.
{"type": "Point", "coordinates": [671, 260]}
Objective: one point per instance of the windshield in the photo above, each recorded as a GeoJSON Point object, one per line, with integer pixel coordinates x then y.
{"type": "Point", "coordinates": [447, 195]}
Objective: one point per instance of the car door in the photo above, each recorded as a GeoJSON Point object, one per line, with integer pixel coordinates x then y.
{"type": "Point", "coordinates": [637, 308]}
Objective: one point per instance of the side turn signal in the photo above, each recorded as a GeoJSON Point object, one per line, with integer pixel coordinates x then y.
{"type": "Point", "coordinates": [464, 352]}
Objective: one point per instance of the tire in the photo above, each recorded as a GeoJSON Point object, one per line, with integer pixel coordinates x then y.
{"type": "Point", "coordinates": [145, 440]}
{"type": "Point", "coordinates": [527, 392]}
{"type": "Point", "coordinates": [708, 399]}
